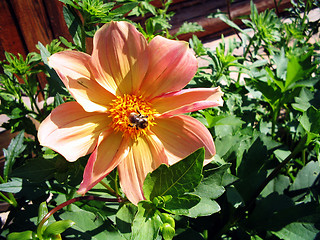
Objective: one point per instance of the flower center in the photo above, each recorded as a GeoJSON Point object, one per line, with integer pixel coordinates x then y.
{"type": "Point", "coordinates": [131, 115]}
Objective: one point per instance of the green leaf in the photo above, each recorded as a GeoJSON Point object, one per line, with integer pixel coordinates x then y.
{"type": "Point", "coordinates": [276, 212]}
{"type": "Point", "coordinates": [180, 205]}
{"type": "Point", "coordinates": [69, 2]}
{"type": "Point", "coordinates": [281, 63]}
{"type": "Point", "coordinates": [56, 86]}
{"type": "Point", "coordinates": [210, 188]}
{"type": "Point", "coordinates": [299, 67]}
{"type": "Point", "coordinates": [264, 215]}
{"type": "Point", "coordinates": [125, 8]}
{"type": "Point", "coordinates": [222, 120]}
{"type": "Point", "coordinates": [298, 231]}
{"type": "Point", "coordinates": [189, 234]}
{"type": "Point", "coordinates": [308, 82]}
{"type": "Point", "coordinates": [124, 219]}
{"type": "Point", "coordinates": [177, 179]}
{"type": "Point", "coordinates": [57, 227]}
{"type": "Point", "coordinates": [14, 186]}
{"type": "Point", "coordinates": [281, 154]}
{"type": "Point", "coordinates": [251, 171]}
{"type": "Point", "coordinates": [278, 81]}
{"type": "Point", "coordinates": [147, 222]}
{"type": "Point", "coordinates": [189, 27]}
{"type": "Point", "coordinates": [26, 235]}
{"type": "Point", "coordinates": [270, 91]}
{"type": "Point", "coordinates": [89, 226]}
{"type": "Point", "coordinates": [253, 159]}
{"type": "Point", "coordinates": [42, 212]}
{"type": "Point", "coordinates": [234, 197]}
{"type": "Point", "coordinates": [36, 170]}
{"type": "Point", "coordinates": [225, 19]}
{"type": "Point", "coordinates": [306, 177]}
{"type": "Point", "coordinates": [58, 100]}
{"type": "Point", "coordinates": [278, 185]}
{"type": "Point", "coordinates": [149, 7]}
{"type": "Point", "coordinates": [303, 101]}
{"type": "Point", "coordinates": [15, 148]}
{"type": "Point", "coordinates": [74, 25]}
{"type": "Point", "coordinates": [310, 121]}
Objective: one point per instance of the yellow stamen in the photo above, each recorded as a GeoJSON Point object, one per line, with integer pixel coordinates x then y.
{"type": "Point", "coordinates": [120, 109]}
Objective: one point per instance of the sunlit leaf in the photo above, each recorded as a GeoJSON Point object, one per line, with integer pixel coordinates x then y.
{"type": "Point", "coordinates": [89, 226]}
{"type": "Point", "coordinates": [210, 188]}
{"type": "Point", "coordinates": [13, 186]}
{"type": "Point", "coordinates": [124, 219]}
{"type": "Point", "coordinates": [189, 27]}
{"type": "Point", "coordinates": [147, 222]}
{"type": "Point", "coordinates": [124, 8]}
{"type": "Point", "coordinates": [177, 179]}
{"type": "Point", "coordinates": [26, 235]}
{"type": "Point", "coordinates": [15, 148]}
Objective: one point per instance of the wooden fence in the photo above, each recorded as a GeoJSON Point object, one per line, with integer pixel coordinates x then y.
{"type": "Point", "coordinates": [23, 23]}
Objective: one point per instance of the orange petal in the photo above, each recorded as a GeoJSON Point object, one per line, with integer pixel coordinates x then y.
{"type": "Point", "coordinates": [145, 155]}
{"type": "Point", "coordinates": [182, 135]}
{"type": "Point", "coordinates": [75, 71]}
{"type": "Point", "coordinates": [172, 66]}
{"type": "Point", "coordinates": [111, 150]}
{"type": "Point", "coordinates": [71, 131]}
{"type": "Point", "coordinates": [187, 100]}
{"type": "Point", "coordinates": [120, 56]}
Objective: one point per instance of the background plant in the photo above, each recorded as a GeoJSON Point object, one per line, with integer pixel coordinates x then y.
{"type": "Point", "coordinates": [264, 181]}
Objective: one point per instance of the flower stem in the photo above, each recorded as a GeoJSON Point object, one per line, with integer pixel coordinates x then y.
{"type": "Point", "coordinates": [73, 200]}
{"type": "Point", "coordinates": [113, 192]}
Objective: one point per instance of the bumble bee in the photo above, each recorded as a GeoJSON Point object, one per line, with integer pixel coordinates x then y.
{"type": "Point", "coordinates": [138, 120]}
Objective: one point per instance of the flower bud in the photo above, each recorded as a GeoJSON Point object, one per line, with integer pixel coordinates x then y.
{"type": "Point", "coordinates": [167, 231]}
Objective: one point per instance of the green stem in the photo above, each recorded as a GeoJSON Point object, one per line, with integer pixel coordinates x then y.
{"type": "Point", "coordinates": [62, 205]}
{"type": "Point", "coordinates": [303, 157]}
{"type": "Point", "coordinates": [83, 39]}
{"type": "Point", "coordinates": [11, 200]}
{"type": "Point", "coordinates": [275, 113]}
{"type": "Point", "coordinates": [1, 180]}
{"type": "Point", "coordinates": [248, 50]}
{"type": "Point", "coordinates": [113, 192]}
{"type": "Point", "coordinates": [116, 185]}
{"type": "Point", "coordinates": [5, 198]}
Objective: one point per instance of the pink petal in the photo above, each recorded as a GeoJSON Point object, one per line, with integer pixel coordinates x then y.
{"type": "Point", "coordinates": [172, 66]}
{"type": "Point", "coordinates": [182, 135]}
{"type": "Point", "coordinates": [146, 154]}
{"type": "Point", "coordinates": [111, 150]}
{"type": "Point", "coordinates": [71, 131]}
{"type": "Point", "coordinates": [187, 100]}
{"type": "Point", "coordinates": [120, 56]}
{"type": "Point", "coordinates": [76, 72]}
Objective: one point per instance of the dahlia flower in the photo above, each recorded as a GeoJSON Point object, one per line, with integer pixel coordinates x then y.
{"type": "Point", "coordinates": [129, 107]}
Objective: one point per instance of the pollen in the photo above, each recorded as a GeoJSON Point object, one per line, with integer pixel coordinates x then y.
{"type": "Point", "coordinates": [121, 110]}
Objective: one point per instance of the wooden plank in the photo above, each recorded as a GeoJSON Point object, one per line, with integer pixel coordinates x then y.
{"type": "Point", "coordinates": [215, 25]}
{"type": "Point", "coordinates": [54, 9]}
{"type": "Point", "coordinates": [33, 21]}
{"type": "Point", "coordinates": [10, 38]}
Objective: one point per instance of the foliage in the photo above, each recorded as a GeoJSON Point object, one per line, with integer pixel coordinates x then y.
{"type": "Point", "coordinates": [264, 180]}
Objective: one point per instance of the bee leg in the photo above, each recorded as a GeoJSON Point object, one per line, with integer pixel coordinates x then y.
{"type": "Point", "coordinates": [140, 115]}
